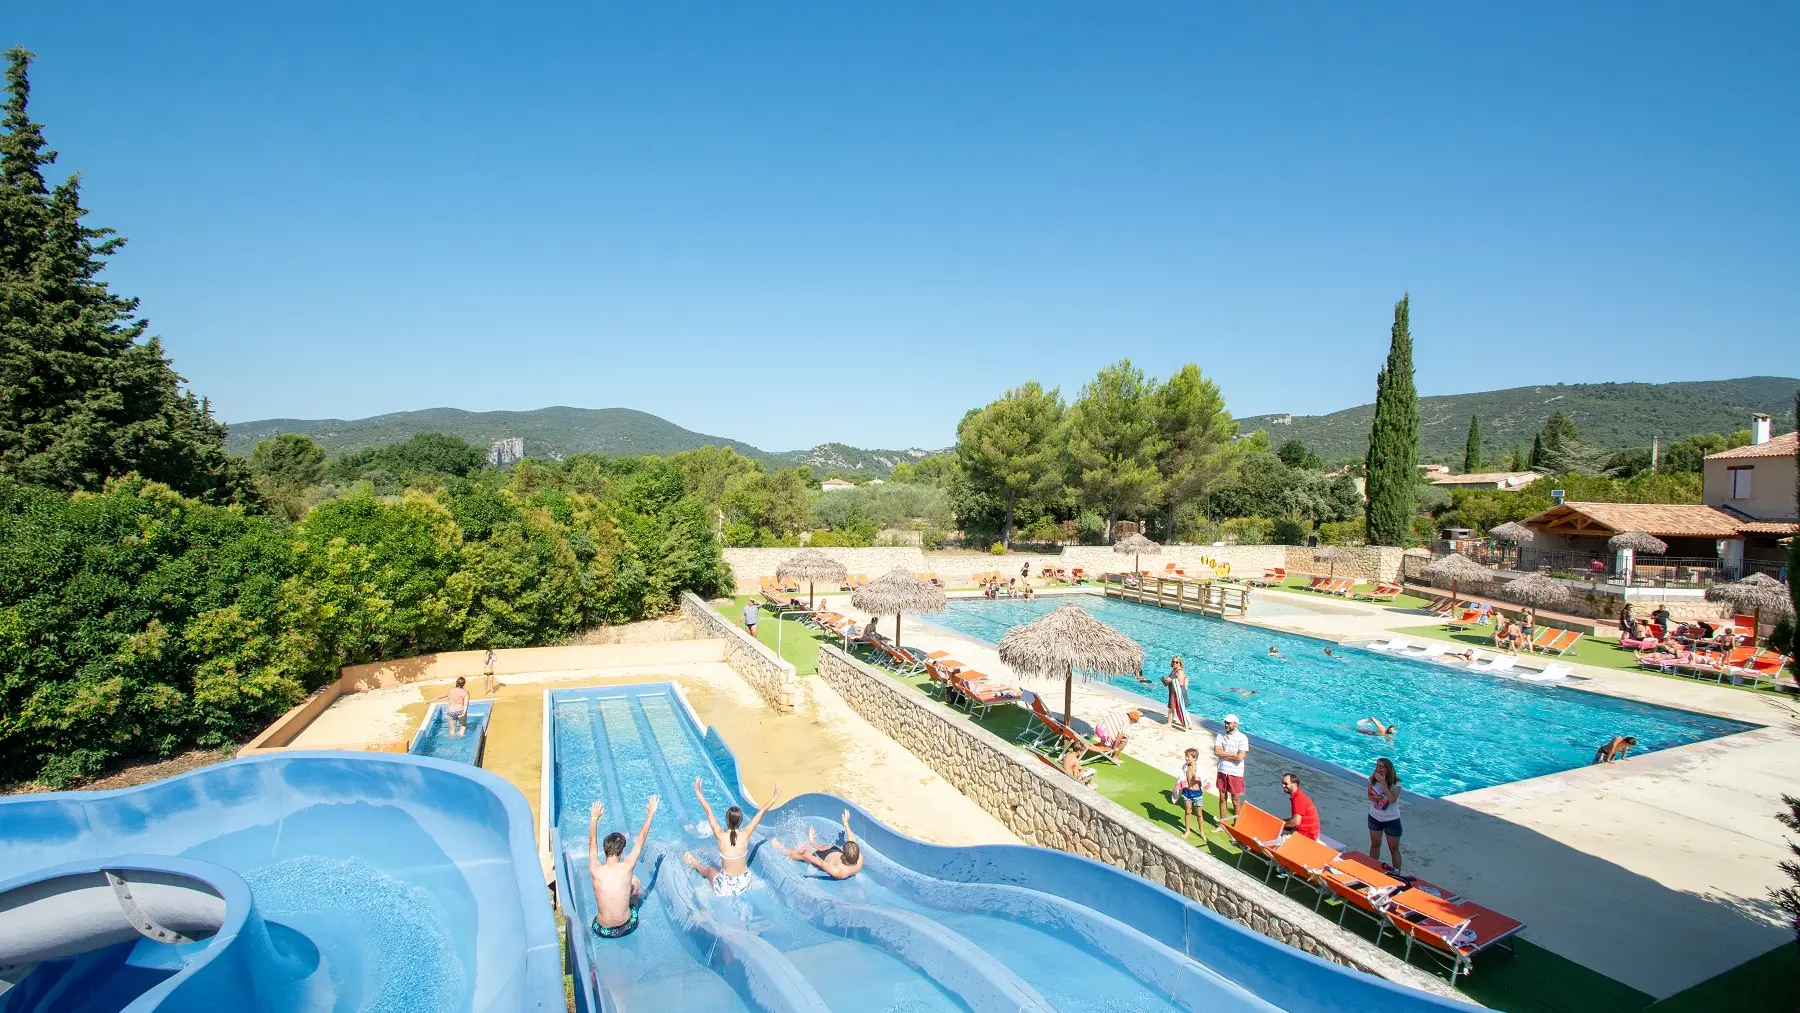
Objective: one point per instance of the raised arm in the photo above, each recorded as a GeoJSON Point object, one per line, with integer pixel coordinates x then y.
{"type": "Point", "coordinates": [706, 807]}
{"type": "Point", "coordinates": [774, 798]}
{"type": "Point", "coordinates": [643, 832]}
{"type": "Point", "coordinates": [848, 835]}
{"type": "Point", "coordinates": [594, 814]}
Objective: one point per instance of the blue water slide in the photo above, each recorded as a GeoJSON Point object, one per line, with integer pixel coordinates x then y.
{"type": "Point", "coordinates": [923, 927]}
{"type": "Point", "coordinates": [303, 882]}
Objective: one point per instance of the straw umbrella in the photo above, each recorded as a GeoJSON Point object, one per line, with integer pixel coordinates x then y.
{"type": "Point", "coordinates": [1630, 543]}
{"type": "Point", "coordinates": [811, 565]}
{"type": "Point", "coordinates": [1136, 544]}
{"type": "Point", "coordinates": [1458, 568]}
{"type": "Point", "coordinates": [1331, 556]}
{"type": "Point", "coordinates": [1758, 591]}
{"type": "Point", "coordinates": [1515, 534]}
{"type": "Point", "coordinates": [1537, 591]}
{"type": "Point", "coordinates": [897, 591]}
{"type": "Point", "coordinates": [1065, 642]}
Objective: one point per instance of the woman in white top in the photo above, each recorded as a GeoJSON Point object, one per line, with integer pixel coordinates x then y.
{"type": "Point", "coordinates": [1384, 811]}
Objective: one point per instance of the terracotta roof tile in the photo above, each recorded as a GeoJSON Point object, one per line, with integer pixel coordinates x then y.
{"type": "Point", "coordinates": [1679, 520]}
{"type": "Point", "coordinates": [1780, 446]}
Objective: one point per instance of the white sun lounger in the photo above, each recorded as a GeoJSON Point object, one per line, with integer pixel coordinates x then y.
{"type": "Point", "coordinates": [1500, 663]}
{"type": "Point", "coordinates": [1430, 651]}
{"type": "Point", "coordinates": [1391, 646]}
{"type": "Point", "coordinates": [1550, 673]}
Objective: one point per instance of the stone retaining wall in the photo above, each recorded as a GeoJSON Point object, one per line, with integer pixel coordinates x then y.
{"type": "Point", "coordinates": [761, 667]}
{"type": "Point", "coordinates": [1046, 808]}
{"type": "Point", "coordinates": [1371, 562]}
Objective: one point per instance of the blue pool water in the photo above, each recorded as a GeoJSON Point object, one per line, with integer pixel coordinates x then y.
{"type": "Point", "coordinates": [1459, 730]}
{"type": "Point", "coordinates": [434, 738]}
{"type": "Point", "coordinates": [922, 929]}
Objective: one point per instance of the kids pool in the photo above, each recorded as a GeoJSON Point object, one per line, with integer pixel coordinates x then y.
{"type": "Point", "coordinates": [1459, 730]}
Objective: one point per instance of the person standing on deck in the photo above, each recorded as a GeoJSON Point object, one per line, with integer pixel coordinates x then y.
{"type": "Point", "coordinates": [487, 673]}
{"type": "Point", "coordinates": [1232, 748]}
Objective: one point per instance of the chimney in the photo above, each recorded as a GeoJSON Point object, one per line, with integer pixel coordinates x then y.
{"type": "Point", "coordinates": [1759, 429]}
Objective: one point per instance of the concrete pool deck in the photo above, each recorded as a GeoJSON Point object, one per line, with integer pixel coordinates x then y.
{"type": "Point", "coordinates": [1654, 871]}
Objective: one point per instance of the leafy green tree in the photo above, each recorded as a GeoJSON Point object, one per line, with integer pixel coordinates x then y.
{"type": "Point", "coordinates": [1472, 447]}
{"type": "Point", "coordinates": [1392, 464]}
{"type": "Point", "coordinates": [1689, 455]}
{"type": "Point", "coordinates": [1296, 454]}
{"type": "Point", "coordinates": [284, 467]}
{"type": "Point", "coordinates": [424, 455]}
{"type": "Point", "coordinates": [1196, 432]}
{"type": "Point", "coordinates": [1114, 442]}
{"type": "Point", "coordinates": [707, 472]}
{"type": "Point", "coordinates": [1011, 449]}
{"type": "Point", "coordinates": [85, 396]}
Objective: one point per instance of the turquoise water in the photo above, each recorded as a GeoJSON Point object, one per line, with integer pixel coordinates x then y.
{"type": "Point", "coordinates": [436, 741]}
{"type": "Point", "coordinates": [1459, 730]}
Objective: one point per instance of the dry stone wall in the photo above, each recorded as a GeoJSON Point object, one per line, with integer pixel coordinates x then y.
{"type": "Point", "coordinates": [1371, 562]}
{"type": "Point", "coordinates": [761, 667]}
{"type": "Point", "coordinates": [747, 565]}
{"type": "Point", "coordinates": [1048, 809]}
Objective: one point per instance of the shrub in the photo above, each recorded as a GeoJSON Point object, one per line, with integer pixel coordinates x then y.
{"type": "Point", "coordinates": [997, 549]}
{"type": "Point", "coordinates": [1090, 528]}
{"type": "Point", "coordinates": [1781, 638]}
{"type": "Point", "coordinates": [1044, 529]}
{"type": "Point", "coordinates": [1289, 532]}
{"type": "Point", "coordinates": [1247, 530]}
{"type": "Point", "coordinates": [1342, 532]}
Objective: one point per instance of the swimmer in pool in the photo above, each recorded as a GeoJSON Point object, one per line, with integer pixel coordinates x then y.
{"type": "Point", "coordinates": [1328, 653]}
{"type": "Point", "coordinates": [1273, 653]}
{"type": "Point", "coordinates": [1241, 691]}
{"type": "Point", "coordinates": [732, 876]}
{"type": "Point", "coordinates": [1373, 726]}
{"type": "Point", "coordinates": [456, 708]}
{"type": "Point", "coordinates": [839, 861]}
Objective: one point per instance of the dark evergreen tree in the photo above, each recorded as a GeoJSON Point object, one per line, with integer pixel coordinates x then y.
{"type": "Point", "coordinates": [1537, 451]}
{"type": "Point", "coordinates": [84, 396]}
{"type": "Point", "coordinates": [1392, 466]}
{"type": "Point", "coordinates": [1793, 567]}
{"type": "Point", "coordinates": [1472, 448]}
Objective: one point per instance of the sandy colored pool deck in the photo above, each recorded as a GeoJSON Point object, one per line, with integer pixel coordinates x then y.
{"type": "Point", "coordinates": [1655, 871]}
{"type": "Point", "coordinates": [823, 746]}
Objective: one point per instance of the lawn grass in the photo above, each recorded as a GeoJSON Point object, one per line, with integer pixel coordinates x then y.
{"type": "Point", "coordinates": [1768, 982]}
{"type": "Point", "coordinates": [1530, 979]}
{"type": "Point", "coordinates": [799, 642]}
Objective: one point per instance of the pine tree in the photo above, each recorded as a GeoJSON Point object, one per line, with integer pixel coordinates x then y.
{"type": "Point", "coordinates": [84, 397]}
{"type": "Point", "coordinates": [1472, 449]}
{"type": "Point", "coordinates": [1392, 466]}
{"type": "Point", "coordinates": [1537, 451]}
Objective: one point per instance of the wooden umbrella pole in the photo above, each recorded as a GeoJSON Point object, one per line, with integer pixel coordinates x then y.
{"type": "Point", "coordinates": [896, 629]}
{"type": "Point", "coordinates": [1069, 695]}
{"type": "Point", "coordinates": [809, 594]}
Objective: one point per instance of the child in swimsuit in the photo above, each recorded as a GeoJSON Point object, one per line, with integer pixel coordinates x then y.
{"type": "Point", "coordinates": [732, 876]}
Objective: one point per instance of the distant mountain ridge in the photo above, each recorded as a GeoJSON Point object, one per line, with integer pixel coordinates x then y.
{"type": "Point", "coordinates": [1609, 415]}
{"type": "Point", "coordinates": [555, 432]}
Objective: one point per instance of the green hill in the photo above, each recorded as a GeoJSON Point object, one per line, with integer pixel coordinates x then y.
{"type": "Point", "coordinates": [1610, 415]}
{"type": "Point", "coordinates": [553, 432]}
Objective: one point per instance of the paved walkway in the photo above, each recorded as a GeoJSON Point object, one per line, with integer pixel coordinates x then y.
{"type": "Point", "coordinates": [1654, 871]}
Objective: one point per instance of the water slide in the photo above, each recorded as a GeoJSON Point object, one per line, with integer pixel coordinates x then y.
{"type": "Point", "coordinates": [923, 928]}
{"type": "Point", "coordinates": [302, 882]}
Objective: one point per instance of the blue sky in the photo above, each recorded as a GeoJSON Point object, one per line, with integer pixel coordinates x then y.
{"type": "Point", "coordinates": [791, 223]}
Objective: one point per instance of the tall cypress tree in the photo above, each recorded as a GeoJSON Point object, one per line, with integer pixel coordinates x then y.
{"type": "Point", "coordinates": [1472, 448]}
{"type": "Point", "coordinates": [84, 397]}
{"type": "Point", "coordinates": [1537, 452]}
{"type": "Point", "coordinates": [1392, 467]}
{"type": "Point", "coordinates": [1793, 566]}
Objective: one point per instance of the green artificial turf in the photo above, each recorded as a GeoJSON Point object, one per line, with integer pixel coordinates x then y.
{"type": "Point", "coordinates": [799, 642]}
{"type": "Point", "coordinates": [1530, 979]}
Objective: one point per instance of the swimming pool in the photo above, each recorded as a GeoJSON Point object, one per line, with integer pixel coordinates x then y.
{"type": "Point", "coordinates": [1459, 730]}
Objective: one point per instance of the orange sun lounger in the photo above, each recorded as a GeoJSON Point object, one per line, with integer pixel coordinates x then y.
{"type": "Point", "coordinates": [1456, 931]}
{"type": "Point", "coordinates": [1301, 858]}
{"type": "Point", "coordinates": [1253, 832]}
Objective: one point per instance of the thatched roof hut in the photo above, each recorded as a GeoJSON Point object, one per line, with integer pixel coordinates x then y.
{"type": "Point", "coordinates": [1136, 544]}
{"type": "Point", "coordinates": [1068, 642]}
{"type": "Point", "coordinates": [898, 591]}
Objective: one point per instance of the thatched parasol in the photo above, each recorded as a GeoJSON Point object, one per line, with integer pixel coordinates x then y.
{"type": "Point", "coordinates": [897, 591]}
{"type": "Point", "coordinates": [1637, 541]}
{"type": "Point", "coordinates": [811, 565]}
{"type": "Point", "coordinates": [1331, 556]}
{"type": "Point", "coordinates": [1537, 591]}
{"type": "Point", "coordinates": [1759, 591]}
{"type": "Point", "coordinates": [1457, 569]}
{"type": "Point", "coordinates": [1065, 642]}
{"type": "Point", "coordinates": [1136, 544]}
{"type": "Point", "coordinates": [1512, 531]}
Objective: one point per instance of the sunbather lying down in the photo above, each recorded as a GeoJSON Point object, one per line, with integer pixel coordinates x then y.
{"type": "Point", "coordinates": [839, 861]}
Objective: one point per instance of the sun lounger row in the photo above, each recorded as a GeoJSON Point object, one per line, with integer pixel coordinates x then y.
{"type": "Point", "coordinates": [1425, 915]}
{"type": "Point", "coordinates": [957, 683]}
{"type": "Point", "coordinates": [1741, 665]}
{"type": "Point", "coordinates": [929, 578]}
{"type": "Point", "coordinates": [1383, 591]}
{"type": "Point", "coordinates": [1273, 577]}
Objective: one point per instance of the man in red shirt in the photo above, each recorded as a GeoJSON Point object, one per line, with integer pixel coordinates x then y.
{"type": "Point", "coordinates": [1305, 820]}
